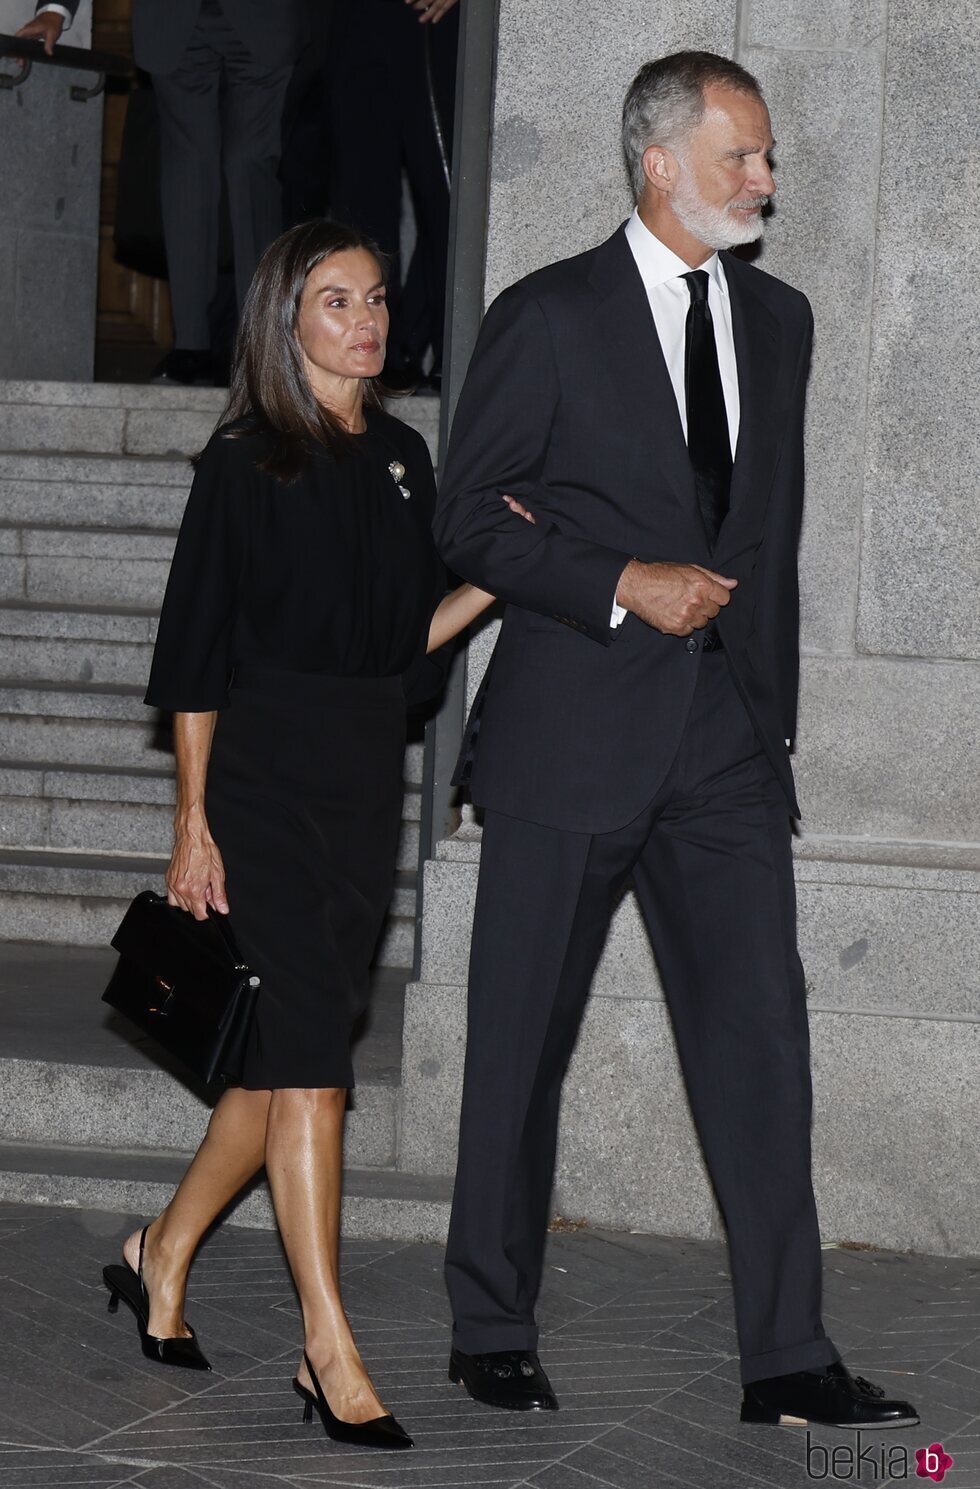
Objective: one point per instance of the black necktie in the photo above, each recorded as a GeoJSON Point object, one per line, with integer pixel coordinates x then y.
{"type": "Point", "coordinates": [708, 441]}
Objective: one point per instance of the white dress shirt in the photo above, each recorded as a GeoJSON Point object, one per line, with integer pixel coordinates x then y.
{"type": "Point", "coordinates": [669, 297]}
{"type": "Point", "coordinates": [61, 10]}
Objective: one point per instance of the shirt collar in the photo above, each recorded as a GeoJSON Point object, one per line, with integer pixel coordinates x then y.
{"type": "Point", "coordinates": [657, 263]}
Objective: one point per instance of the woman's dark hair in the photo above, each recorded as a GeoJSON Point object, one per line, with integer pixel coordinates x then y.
{"type": "Point", "coordinates": [270, 390]}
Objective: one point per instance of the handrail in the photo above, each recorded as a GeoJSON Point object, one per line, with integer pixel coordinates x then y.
{"type": "Point", "coordinates": [78, 59]}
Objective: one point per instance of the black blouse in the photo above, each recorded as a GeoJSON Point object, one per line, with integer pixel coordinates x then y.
{"type": "Point", "coordinates": [334, 573]}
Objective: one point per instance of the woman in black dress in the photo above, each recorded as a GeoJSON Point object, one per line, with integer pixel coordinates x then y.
{"type": "Point", "coordinates": [304, 599]}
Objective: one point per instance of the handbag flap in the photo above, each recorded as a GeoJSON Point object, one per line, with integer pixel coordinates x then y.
{"type": "Point", "coordinates": [175, 950]}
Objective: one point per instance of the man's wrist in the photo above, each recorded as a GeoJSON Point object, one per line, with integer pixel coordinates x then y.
{"type": "Point", "coordinates": [59, 10]}
{"type": "Point", "coordinates": [624, 588]}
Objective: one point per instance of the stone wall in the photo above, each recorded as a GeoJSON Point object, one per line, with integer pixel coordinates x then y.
{"type": "Point", "coordinates": [50, 180]}
{"type": "Point", "coordinates": [873, 105]}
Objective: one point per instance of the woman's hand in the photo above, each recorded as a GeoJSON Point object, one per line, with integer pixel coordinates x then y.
{"type": "Point", "coordinates": [517, 509]}
{"type": "Point", "coordinates": [196, 876]}
{"type": "Point", "coordinates": [431, 10]}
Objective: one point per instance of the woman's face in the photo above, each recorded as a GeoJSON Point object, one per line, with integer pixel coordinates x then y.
{"type": "Point", "coordinates": [342, 323]}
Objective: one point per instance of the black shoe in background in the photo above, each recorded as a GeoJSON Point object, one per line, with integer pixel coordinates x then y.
{"type": "Point", "coordinates": [188, 369]}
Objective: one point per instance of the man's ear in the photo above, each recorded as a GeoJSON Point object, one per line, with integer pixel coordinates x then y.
{"type": "Point", "coordinates": [661, 169]}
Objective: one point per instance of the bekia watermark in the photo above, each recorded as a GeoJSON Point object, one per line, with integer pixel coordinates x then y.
{"type": "Point", "coordinates": [849, 1462]}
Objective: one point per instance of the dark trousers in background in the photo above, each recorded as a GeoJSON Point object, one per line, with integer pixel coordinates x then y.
{"type": "Point", "coordinates": [307, 150]}
{"type": "Point", "coordinates": [381, 121]}
{"type": "Point", "coordinates": [711, 864]}
{"type": "Point", "coordinates": [219, 111]}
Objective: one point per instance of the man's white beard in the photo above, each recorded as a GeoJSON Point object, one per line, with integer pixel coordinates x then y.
{"type": "Point", "coordinates": [715, 227]}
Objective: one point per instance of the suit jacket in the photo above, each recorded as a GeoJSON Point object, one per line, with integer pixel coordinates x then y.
{"type": "Point", "coordinates": [568, 406]}
{"type": "Point", "coordinates": [270, 29]}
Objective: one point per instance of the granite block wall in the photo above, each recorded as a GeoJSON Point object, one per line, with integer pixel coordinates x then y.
{"type": "Point", "coordinates": [50, 180]}
{"type": "Point", "coordinates": [876, 219]}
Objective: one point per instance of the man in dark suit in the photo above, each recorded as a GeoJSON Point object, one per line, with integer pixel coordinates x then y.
{"type": "Point", "coordinates": [644, 403]}
{"type": "Point", "coordinates": [220, 72]}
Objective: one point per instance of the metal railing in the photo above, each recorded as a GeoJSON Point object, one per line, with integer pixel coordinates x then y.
{"type": "Point", "coordinates": [26, 53]}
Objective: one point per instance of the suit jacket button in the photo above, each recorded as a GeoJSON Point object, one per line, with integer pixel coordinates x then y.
{"type": "Point", "coordinates": [692, 643]}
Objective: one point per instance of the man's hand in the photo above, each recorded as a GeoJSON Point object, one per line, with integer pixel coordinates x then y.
{"type": "Point", "coordinates": [673, 598]}
{"type": "Point", "coordinates": [431, 10]}
{"type": "Point", "coordinates": [46, 27]}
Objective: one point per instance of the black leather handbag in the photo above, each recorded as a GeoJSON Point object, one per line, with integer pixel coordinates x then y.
{"type": "Point", "coordinates": [183, 982]}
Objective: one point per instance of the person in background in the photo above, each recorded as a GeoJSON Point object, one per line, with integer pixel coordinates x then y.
{"type": "Point", "coordinates": [305, 168]}
{"type": "Point", "coordinates": [220, 71]}
{"type": "Point", "coordinates": [48, 22]}
{"type": "Point", "coordinates": [391, 101]}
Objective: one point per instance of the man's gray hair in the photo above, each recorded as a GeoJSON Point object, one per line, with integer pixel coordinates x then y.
{"type": "Point", "coordinates": [665, 103]}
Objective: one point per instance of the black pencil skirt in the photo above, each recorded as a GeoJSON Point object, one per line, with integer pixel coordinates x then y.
{"type": "Point", "coordinates": [304, 796]}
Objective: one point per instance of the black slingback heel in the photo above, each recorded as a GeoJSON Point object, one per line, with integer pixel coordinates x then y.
{"type": "Point", "coordinates": [123, 1282]}
{"type": "Point", "coordinates": [380, 1432]}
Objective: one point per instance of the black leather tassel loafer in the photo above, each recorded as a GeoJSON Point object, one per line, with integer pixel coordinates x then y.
{"type": "Point", "coordinates": [380, 1432]}
{"type": "Point", "coordinates": [123, 1282]}
{"type": "Point", "coordinates": [510, 1378]}
{"type": "Point", "coordinates": [833, 1399]}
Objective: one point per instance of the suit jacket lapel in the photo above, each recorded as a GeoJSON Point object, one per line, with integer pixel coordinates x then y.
{"type": "Point", "coordinates": [639, 372]}
{"type": "Point", "coordinates": [755, 332]}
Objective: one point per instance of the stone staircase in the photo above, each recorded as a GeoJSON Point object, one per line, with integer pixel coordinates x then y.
{"type": "Point", "coordinates": [93, 479]}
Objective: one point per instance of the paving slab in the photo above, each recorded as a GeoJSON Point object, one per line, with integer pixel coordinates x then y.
{"type": "Point", "coordinates": [624, 1421]}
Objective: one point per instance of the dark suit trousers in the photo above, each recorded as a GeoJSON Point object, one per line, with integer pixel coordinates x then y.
{"type": "Point", "coordinates": [381, 124]}
{"type": "Point", "coordinates": [205, 127]}
{"type": "Point", "coordinates": [710, 861]}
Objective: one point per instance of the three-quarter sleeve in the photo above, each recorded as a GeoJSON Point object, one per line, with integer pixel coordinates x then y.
{"type": "Point", "coordinates": [192, 659]}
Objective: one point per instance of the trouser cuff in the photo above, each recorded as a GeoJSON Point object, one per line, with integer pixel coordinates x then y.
{"type": "Point", "coordinates": [485, 1341]}
{"type": "Point", "coordinates": [809, 1356]}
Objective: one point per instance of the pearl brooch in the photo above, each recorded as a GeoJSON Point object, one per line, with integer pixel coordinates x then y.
{"type": "Point", "coordinates": [397, 471]}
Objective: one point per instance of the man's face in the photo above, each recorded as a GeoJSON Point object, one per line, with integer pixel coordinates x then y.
{"type": "Point", "coordinates": [725, 179]}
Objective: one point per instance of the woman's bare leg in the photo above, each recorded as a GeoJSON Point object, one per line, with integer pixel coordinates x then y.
{"type": "Point", "coordinates": [232, 1152]}
{"type": "Point", "coordinates": [303, 1159]}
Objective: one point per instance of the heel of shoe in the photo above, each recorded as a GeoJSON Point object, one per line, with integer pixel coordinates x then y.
{"type": "Point", "coordinates": [757, 1411]}
{"type": "Point", "coordinates": [454, 1373]}
{"type": "Point", "coordinates": [307, 1400]}
{"type": "Point", "coordinates": [113, 1302]}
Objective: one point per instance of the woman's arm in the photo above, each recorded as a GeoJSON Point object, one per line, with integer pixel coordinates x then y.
{"type": "Point", "coordinates": [462, 606]}
{"type": "Point", "coordinates": [454, 613]}
{"type": "Point", "coordinates": [196, 876]}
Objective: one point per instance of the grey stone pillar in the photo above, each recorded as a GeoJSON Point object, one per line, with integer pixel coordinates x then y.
{"type": "Point", "coordinates": [50, 179]}
{"type": "Point", "coordinates": [876, 221]}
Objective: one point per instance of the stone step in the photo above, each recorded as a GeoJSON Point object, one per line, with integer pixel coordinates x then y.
{"type": "Point", "coordinates": [110, 623]}
{"type": "Point", "coordinates": [95, 491]}
{"type": "Point", "coordinates": [104, 418]}
{"type": "Point", "coordinates": [126, 419]}
{"type": "Point", "coordinates": [55, 644]}
{"type": "Point", "coordinates": [117, 812]}
{"type": "Point", "coordinates": [76, 1074]}
{"type": "Point", "coordinates": [148, 787]}
{"type": "Point", "coordinates": [84, 566]}
{"type": "Point", "coordinates": [81, 724]}
{"type": "Point", "coordinates": [382, 1203]}
{"type": "Point", "coordinates": [78, 899]}
{"type": "Point", "coordinates": [97, 725]}
{"type": "Point", "coordinates": [116, 827]}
